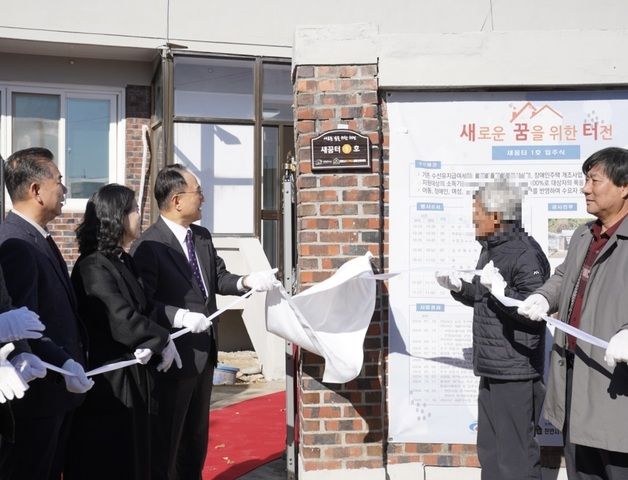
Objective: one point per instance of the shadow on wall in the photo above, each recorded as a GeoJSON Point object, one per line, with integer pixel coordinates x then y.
{"type": "Point", "coordinates": [397, 345]}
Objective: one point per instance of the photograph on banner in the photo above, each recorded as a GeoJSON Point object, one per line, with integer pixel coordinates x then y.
{"type": "Point", "coordinates": [443, 146]}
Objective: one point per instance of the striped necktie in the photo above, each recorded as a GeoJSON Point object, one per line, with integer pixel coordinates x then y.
{"type": "Point", "coordinates": [189, 241]}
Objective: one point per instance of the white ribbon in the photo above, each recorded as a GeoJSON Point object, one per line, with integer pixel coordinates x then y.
{"type": "Point", "coordinates": [110, 367]}
{"type": "Point", "coordinates": [565, 327]}
{"type": "Point", "coordinates": [54, 368]}
{"type": "Point", "coordinates": [238, 300]}
{"type": "Point", "coordinates": [126, 363]}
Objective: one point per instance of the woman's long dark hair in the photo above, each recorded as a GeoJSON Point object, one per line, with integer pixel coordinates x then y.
{"type": "Point", "coordinates": [102, 227]}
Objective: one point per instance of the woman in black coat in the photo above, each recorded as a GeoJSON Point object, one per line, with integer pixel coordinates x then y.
{"type": "Point", "coordinates": [110, 434]}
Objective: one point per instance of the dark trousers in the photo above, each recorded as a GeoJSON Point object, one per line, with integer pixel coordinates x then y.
{"type": "Point", "coordinates": [180, 430]}
{"type": "Point", "coordinates": [508, 412]}
{"type": "Point", "coordinates": [107, 445]}
{"type": "Point", "coordinates": [38, 451]}
{"type": "Point", "coordinates": [590, 463]}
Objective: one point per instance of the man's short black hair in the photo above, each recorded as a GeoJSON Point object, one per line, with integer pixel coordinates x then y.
{"type": "Point", "coordinates": [614, 162]}
{"type": "Point", "coordinates": [25, 167]}
{"type": "Point", "coordinates": [169, 181]}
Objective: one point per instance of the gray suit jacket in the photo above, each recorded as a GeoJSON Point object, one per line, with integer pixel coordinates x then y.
{"type": "Point", "coordinates": [599, 405]}
{"type": "Point", "coordinates": [167, 279]}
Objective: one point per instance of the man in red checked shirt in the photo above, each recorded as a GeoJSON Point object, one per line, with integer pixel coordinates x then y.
{"type": "Point", "coordinates": [587, 393]}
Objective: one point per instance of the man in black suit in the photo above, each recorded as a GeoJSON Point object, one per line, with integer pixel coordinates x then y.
{"type": "Point", "coordinates": [37, 278]}
{"type": "Point", "coordinates": [179, 266]}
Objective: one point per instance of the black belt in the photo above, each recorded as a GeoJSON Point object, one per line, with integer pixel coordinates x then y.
{"type": "Point", "coordinates": [569, 358]}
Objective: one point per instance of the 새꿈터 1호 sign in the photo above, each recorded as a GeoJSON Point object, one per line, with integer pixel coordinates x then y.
{"type": "Point", "coordinates": [340, 149]}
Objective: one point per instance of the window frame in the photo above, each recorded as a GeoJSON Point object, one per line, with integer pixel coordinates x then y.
{"type": "Point", "coordinates": [257, 122]}
{"type": "Point", "coordinates": [117, 131]}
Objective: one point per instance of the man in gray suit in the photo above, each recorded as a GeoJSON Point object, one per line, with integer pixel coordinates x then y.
{"type": "Point", "coordinates": [587, 392]}
{"type": "Point", "coordinates": [178, 266]}
{"type": "Point", "coordinates": [37, 278]}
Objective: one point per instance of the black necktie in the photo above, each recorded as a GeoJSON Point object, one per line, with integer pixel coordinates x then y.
{"type": "Point", "coordinates": [189, 241]}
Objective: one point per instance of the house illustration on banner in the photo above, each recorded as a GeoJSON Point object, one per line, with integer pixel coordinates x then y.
{"type": "Point", "coordinates": [531, 114]}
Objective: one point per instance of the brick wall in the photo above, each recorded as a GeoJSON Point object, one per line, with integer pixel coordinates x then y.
{"type": "Point", "coordinates": [341, 426]}
{"type": "Point", "coordinates": [62, 230]}
{"type": "Point", "coordinates": [137, 107]}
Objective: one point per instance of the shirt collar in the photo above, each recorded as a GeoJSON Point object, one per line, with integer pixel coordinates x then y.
{"type": "Point", "coordinates": [45, 233]}
{"type": "Point", "coordinates": [596, 229]}
{"type": "Point", "coordinates": [179, 231]}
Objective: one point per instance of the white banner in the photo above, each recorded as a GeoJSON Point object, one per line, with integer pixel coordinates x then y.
{"type": "Point", "coordinates": [442, 146]}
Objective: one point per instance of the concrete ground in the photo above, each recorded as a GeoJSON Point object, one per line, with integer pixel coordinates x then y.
{"type": "Point", "coordinates": [224, 395]}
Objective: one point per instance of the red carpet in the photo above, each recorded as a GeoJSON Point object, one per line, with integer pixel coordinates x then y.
{"type": "Point", "coordinates": [245, 436]}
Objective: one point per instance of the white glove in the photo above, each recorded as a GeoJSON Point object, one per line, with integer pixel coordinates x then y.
{"type": "Point", "coordinates": [79, 383]}
{"type": "Point", "coordinates": [617, 350]}
{"type": "Point", "coordinates": [168, 355]}
{"type": "Point", "coordinates": [11, 384]}
{"type": "Point", "coordinates": [534, 307]}
{"type": "Point", "coordinates": [29, 366]}
{"type": "Point", "coordinates": [18, 324]}
{"type": "Point", "coordinates": [143, 355]}
{"type": "Point", "coordinates": [449, 280]}
{"type": "Point", "coordinates": [196, 322]}
{"type": "Point", "coordinates": [492, 279]}
{"type": "Point", "coordinates": [261, 281]}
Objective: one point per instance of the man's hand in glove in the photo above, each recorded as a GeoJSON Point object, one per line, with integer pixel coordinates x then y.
{"type": "Point", "coordinates": [79, 383]}
{"type": "Point", "coordinates": [19, 324]}
{"type": "Point", "coordinates": [261, 281]}
{"type": "Point", "coordinates": [11, 383]}
{"type": "Point", "coordinates": [29, 366]}
{"type": "Point", "coordinates": [492, 279]}
{"type": "Point", "coordinates": [196, 322]}
{"type": "Point", "coordinates": [617, 350]}
{"type": "Point", "coordinates": [449, 280]}
{"type": "Point", "coordinates": [534, 307]}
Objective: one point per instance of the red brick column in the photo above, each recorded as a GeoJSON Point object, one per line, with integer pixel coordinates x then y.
{"type": "Point", "coordinates": [339, 218]}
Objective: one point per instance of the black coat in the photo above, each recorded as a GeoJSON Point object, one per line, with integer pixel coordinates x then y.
{"type": "Point", "coordinates": [36, 279]}
{"type": "Point", "coordinates": [111, 430]}
{"type": "Point", "coordinates": [505, 345]}
{"type": "Point", "coordinates": [167, 278]}
{"type": "Point", "coordinates": [119, 319]}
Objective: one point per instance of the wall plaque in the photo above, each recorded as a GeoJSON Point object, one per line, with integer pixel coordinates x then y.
{"type": "Point", "coordinates": [340, 149]}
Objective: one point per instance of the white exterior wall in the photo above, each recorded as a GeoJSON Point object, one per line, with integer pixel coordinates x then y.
{"type": "Point", "coordinates": [259, 28]}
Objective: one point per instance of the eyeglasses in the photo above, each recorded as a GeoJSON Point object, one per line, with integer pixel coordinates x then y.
{"type": "Point", "coordinates": [198, 191]}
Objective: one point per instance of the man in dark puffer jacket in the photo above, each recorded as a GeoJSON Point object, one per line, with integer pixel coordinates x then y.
{"type": "Point", "coordinates": [508, 350]}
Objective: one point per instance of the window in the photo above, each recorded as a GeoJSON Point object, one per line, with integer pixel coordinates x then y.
{"type": "Point", "coordinates": [213, 87]}
{"type": "Point", "coordinates": [87, 145]}
{"type": "Point", "coordinates": [233, 128]}
{"type": "Point", "coordinates": [36, 120]}
{"type": "Point", "coordinates": [277, 94]}
{"type": "Point", "coordinates": [79, 126]}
